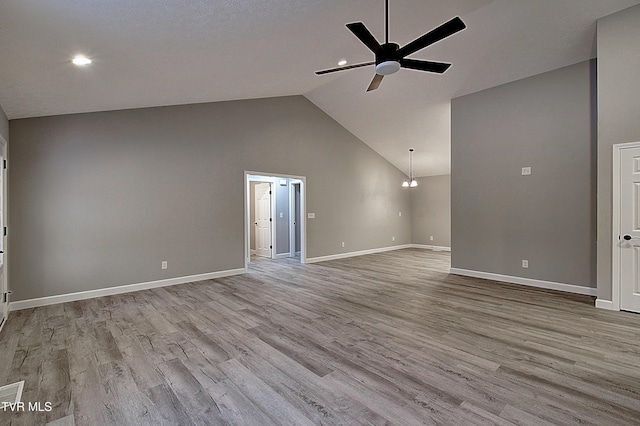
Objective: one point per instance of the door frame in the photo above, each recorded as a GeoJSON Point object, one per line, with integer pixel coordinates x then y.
{"type": "Point", "coordinates": [615, 217]}
{"type": "Point", "coordinates": [265, 179]}
{"type": "Point", "coordinates": [252, 176]}
{"type": "Point", "coordinates": [5, 210]}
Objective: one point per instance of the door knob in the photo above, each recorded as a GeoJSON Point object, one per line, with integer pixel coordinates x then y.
{"type": "Point", "coordinates": [628, 237]}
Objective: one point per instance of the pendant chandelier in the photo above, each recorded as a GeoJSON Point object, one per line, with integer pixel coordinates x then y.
{"type": "Point", "coordinates": [411, 182]}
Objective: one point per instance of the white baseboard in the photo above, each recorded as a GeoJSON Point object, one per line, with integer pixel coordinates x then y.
{"type": "Point", "coordinates": [355, 253]}
{"type": "Point", "coordinates": [428, 247]}
{"type": "Point", "coordinates": [605, 304]}
{"type": "Point", "coordinates": [550, 285]}
{"type": "Point", "coordinates": [374, 251]}
{"type": "Point", "coordinates": [283, 255]}
{"type": "Point", "coordinates": [90, 294]}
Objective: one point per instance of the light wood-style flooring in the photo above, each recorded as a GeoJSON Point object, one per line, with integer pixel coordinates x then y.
{"type": "Point", "coordinates": [389, 338]}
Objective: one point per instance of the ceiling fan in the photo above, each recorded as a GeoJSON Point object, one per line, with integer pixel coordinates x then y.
{"type": "Point", "coordinates": [390, 57]}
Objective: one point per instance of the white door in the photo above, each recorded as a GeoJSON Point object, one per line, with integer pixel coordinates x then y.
{"type": "Point", "coordinates": [4, 293]}
{"type": "Point", "coordinates": [263, 219]}
{"type": "Point", "coordinates": [630, 229]}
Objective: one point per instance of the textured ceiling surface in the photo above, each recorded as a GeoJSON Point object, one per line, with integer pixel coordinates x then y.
{"type": "Point", "coordinates": [166, 52]}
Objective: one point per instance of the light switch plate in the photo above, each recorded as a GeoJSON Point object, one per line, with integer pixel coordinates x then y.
{"type": "Point", "coordinates": [311, 215]}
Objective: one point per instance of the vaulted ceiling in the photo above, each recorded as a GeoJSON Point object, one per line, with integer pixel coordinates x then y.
{"type": "Point", "coordinates": [167, 52]}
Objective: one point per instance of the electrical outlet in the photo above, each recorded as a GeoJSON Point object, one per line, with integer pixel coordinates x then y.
{"type": "Point", "coordinates": [526, 171]}
{"type": "Point", "coordinates": [343, 244]}
{"type": "Point", "coordinates": [281, 215]}
{"type": "Point", "coordinates": [431, 238]}
{"type": "Point", "coordinates": [525, 263]}
{"type": "Point", "coordinates": [164, 264]}
{"type": "Point", "coordinates": [393, 238]}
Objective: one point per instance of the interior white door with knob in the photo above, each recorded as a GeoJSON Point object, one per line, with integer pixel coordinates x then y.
{"type": "Point", "coordinates": [4, 291]}
{"type": "Point", "coordinates": [627, 246]}
{"type": "Point", "coordinates": [263, 219]}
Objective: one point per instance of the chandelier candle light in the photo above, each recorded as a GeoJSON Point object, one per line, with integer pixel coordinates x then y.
{"type": "Point", "coordinates": [411, 183]}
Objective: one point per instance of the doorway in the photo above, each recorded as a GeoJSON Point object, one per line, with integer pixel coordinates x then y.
{"type": "Point", "coordinates": [626, 226]}
{"type": "Point", "coordinates": [274, 217]}
{"type": "Point", "coordinates": [295, 218]}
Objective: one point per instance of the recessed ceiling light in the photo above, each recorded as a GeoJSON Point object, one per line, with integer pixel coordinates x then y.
{"type": "Point", "coordinates": [342, 62]}
{"type": "Point", "coordinates": [81, 60]}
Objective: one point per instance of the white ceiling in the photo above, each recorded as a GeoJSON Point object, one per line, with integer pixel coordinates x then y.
{"type": "Point", "coordinates": [166, 52]}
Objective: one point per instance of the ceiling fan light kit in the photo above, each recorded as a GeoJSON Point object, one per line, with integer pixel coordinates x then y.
{"type": "Point", "coordinates": [390, 57]}
{"type": "Point", "coordinates": [387, 67]}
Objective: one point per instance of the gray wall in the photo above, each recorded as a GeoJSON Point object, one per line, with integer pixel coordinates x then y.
{"type": "Point", "coordinates": [4, 125]}
{"type": "Point", "coordinates": [500, 217]}
{"type": "Point", "coordinates": [618, 107]}
{"type": "Point", "coordinates": [431, 211]}
{"type": "Point", "coordinates": [100, 199]}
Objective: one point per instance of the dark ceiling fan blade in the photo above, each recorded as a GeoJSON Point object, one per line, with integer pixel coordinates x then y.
{"type": "Point", "coordinates": [347, 67]}
{"type": "Point", "coordinates": [443, 31]}
{"type": "Point", "coordinates": [428, 66]}
{"type": "Point", "coordinates": [377, 79]}
{"type": "Point", "coordinates": [360, 31]}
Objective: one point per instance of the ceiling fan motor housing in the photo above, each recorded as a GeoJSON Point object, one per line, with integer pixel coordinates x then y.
{"type": "Point", "coordinates": [387, 61]}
